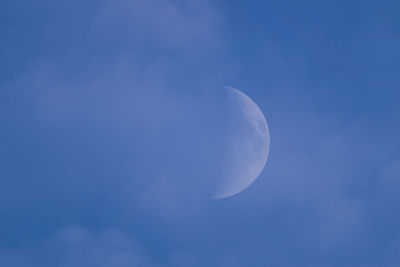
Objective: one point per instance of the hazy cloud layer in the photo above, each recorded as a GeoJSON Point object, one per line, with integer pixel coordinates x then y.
{"type": "Point", "coordinates": [112, 119]}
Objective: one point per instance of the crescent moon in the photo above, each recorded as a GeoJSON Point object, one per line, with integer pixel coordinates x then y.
{"type": "Point", "coordinates": [248, 146]}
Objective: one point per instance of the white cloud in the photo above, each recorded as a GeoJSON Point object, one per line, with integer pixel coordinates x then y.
{"type": "Point", "coordinates": [76, 246]}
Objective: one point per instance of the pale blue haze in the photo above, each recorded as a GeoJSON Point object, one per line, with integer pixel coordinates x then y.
{"type": "Point", "coordinates": [112, 129]}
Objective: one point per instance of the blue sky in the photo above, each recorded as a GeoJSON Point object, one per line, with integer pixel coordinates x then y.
{"type": "Point", "coordinates": [113, 126]}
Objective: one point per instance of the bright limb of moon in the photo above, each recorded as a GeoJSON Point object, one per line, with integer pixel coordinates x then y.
{"type": "Point", "coordinates": [248, 146]}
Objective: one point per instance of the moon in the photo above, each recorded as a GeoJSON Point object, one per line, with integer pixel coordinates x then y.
{"type": "Point", "coordinates": [248, 145]}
